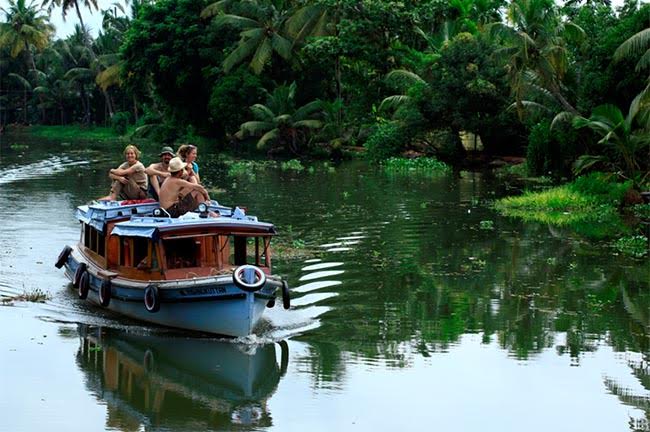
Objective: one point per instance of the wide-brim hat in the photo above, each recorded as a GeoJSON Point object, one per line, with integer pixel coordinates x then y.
{"type": "Point", "coordinates": [166, 150]}
{"type": "Point", "coordinates": [175, 165]}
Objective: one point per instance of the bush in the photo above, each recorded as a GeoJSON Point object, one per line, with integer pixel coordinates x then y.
{"type": "Point", "coordinates": [120, 122]}
{"type": "Point", "coordinates": [603, 186]}
{"type": "Point", "coordinates": [387, 140]}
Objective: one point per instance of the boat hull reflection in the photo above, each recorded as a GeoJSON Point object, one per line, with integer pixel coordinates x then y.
{"type": "Point", "coordinates": [150, 380]}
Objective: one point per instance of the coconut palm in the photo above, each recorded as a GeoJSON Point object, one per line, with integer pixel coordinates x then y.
{"type": "Point", "coordinates": [536, 41]}
{"type": "Point", "coordinates": [262, 33]}
{"type": "Point", "coordinates": [623, 137]}
{"type": "Point", "coordinates": [279, 122]}
{"type": "Point", "coordinates": [638, 44]}
{"type": "Point", "coordinates": [26, 28]}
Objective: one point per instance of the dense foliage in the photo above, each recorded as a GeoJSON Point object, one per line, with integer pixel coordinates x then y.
{"type": "Point", "coordinates": [526, 77]}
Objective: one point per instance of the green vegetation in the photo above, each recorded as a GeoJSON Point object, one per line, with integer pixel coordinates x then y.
{"type": "Point", "coordinates": [588, 206]}
{"type": "Point", "coordinates": [74, 132]}
{"type": "Point", "coordinates": [418, 166]}
{"type": "Point", "coordinates": [636, 246]}
{"type": "Point", "coordinates": [292, 165]}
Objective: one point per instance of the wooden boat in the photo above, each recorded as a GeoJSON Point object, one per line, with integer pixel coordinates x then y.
{"type": "Point", "coordinates": [194, 272]}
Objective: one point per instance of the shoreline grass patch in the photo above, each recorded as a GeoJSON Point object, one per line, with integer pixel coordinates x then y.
{"type": "Point", "coordinates": [588, 206]}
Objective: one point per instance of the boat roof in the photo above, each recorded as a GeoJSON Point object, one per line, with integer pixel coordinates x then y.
{"type": "Point", "coordinates": [98, 213]}
{"type": "Point", "coordinates": [153, 227]}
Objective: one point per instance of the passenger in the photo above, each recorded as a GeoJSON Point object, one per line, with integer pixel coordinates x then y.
{"type": "Point", "coordinates": [129, 179]}
{"type": "Point", "coordinates": [158, 172]}
{"type": "Point", "coordinates": [178, 196]}
{"type": "Point", "coordinates": [188, 153]}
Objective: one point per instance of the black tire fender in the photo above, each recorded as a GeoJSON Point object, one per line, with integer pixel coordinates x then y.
{"type": "Point", "coordinates": [84, 285]}
{"type": "Point", "coordinates": [105, 293]}
{"type": "Point", "coordinates": [63, 257]}
{"type": "Point", "coordinates": [286, 296]}
{"type": "Point", "coordinates": [81, 268]}
{"type": "Point", "coordinates": [152, 298]}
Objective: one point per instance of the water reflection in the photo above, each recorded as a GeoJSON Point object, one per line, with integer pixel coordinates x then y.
{"type": "Point", "coordinates": [147, 380]}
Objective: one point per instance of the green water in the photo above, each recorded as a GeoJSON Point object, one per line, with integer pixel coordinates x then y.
{"type": "Point", "coordinates": [409, 311]}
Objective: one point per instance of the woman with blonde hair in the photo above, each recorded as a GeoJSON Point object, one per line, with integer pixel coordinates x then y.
{"type": "Point", "coordinates": [129, 179]}
{"type": "Point", "coordinates": [188, 153]}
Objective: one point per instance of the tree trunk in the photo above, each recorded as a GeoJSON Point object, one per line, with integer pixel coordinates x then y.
{"type": "Point", "coordinates": [32, 63]}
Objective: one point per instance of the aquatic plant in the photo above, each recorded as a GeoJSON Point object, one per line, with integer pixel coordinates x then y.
{"type": "Point", "coordinates": [35, 295]}
{"type": "Point", "coordinates": [635, 246]}
{"type": "Point", "coordinates": [419, 166]}
{"type": "Point", "coordinates": [292, 165]}
{"type": "Point", "coordinates": [487, 225]}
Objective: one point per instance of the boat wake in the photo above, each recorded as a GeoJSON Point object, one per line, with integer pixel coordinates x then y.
{"type": "Point", "coordinates": [41, 169]}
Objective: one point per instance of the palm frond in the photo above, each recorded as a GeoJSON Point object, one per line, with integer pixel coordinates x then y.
{"type": "Point", "coordinates": [635, 45]}
{"type": "Point", "coordinates": [21, 80]}
{"type": "Point", "coordinates": [308, 110]}
{"type": "Point", "coordinates": [402, 79]}
{"type": "Point", "coordinates": [310, 124]}
{"type": "Point", "coordinates": [255, 128]}
{"type": "Point", "coordinates": [393, 103]}
{"type": "Point", "coordinates": [262, 112]}
{"type": "Point", "coordinates": [235, 21]}
{"type": "Point", "coordinates": [562, 117]}
{"type": "Point", "coordinates": [281, 45]}
{"type": "Point", "coordinates": [271, 135]}
{"type": "Point", "coordinates": [244, 50]}
{"type": "Point", "coordinates": [262, 56]}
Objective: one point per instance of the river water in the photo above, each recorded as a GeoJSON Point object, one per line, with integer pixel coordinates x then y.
{"type": "Point", "coordinates": [414, 306]}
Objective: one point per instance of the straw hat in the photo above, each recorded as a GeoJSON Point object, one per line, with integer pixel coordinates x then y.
{"type": "Point", "coordinates": [175, 165]}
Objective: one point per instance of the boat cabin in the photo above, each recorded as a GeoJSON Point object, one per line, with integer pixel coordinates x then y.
{"type": "Point", "coordinates": [145, 247]}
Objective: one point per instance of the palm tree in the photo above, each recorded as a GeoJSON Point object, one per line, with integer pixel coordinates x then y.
{"type": "Point", "coordinates": [623, 137]}
{"type": "Point", "coordinates": [280, 122]}
{"type": "Point", "coordinates": [636, 45]}
{"type": "Point", "coordinates": [536, 41]}
{"type": "Point", "coordinates": [262, 31]}
{"type": "Point", "coordinates": [26, 27]}
{"type": "Point", "coordinates": [66, 5]}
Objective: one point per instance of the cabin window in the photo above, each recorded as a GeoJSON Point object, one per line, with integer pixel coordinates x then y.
{"type": "Point", "coordinates": [94, 240]}
{"type": "Point", "coordinates": [135, 252]}
{"type": "Point", "coordinates": [249, 250]}
{"type": "Point", "coordinates": [183, 252]}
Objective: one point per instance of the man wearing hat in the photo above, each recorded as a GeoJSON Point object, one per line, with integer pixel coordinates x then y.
{"type": "Point", "coordinates": [158, 172]}
{"type": "Point", "coordinates": [179, 196]}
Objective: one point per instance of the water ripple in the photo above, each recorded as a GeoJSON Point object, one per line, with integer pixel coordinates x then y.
{"type": "Point", "coordinates": [41, 169]}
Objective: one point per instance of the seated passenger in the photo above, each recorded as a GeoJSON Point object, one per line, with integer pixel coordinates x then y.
{"type": "Point", "coordinates": [188, 153]}
{"type": "Point", "coordinates": [178, 196]}
{"type": "Point", "coordinates": [129, 179]}
{"type": "Point", "coordinates": [158, 172]}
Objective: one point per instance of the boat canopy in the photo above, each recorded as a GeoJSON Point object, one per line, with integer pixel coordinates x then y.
{"type": "Point", "coordinates": [98, 213]}
{"type": "Point", "coordinates": [153, 227]}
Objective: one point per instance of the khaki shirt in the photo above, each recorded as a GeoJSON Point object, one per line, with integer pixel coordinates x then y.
{"type": "Point", "coordinates": [138, 176]}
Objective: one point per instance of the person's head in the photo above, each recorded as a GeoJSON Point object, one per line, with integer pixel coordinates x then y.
{"type": "Point", "coordinates": [176, 166]}
{"type": "Point", "coordinates": [166, 154]}
{"type": "Point", "coordinates": [131, 153]}
{"type": "Point", "coordinates": [187, 152]}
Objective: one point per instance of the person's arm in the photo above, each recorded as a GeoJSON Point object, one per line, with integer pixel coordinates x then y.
{"type": "Point", "coordinates": [136, 167]}
{"type": "Point", "coordinates": [151, 171]}
{"type": "Point", "coordinates": [119, 178]}
{"type": "Point", "coordinates": [197, 187]}
{"type": "Point", "coordinates": [153, 180]}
